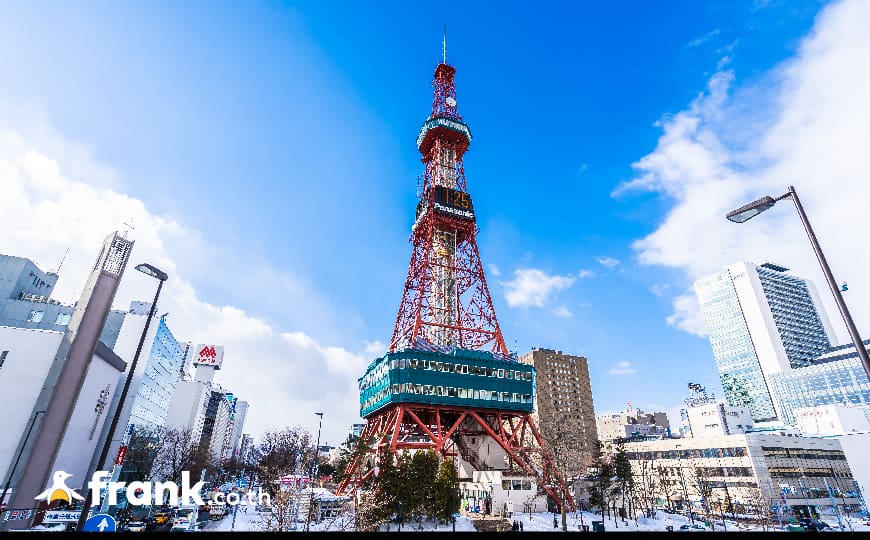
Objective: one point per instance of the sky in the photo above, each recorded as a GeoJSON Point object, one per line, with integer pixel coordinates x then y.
{"type": "Point", "coordinates": [263, 155]}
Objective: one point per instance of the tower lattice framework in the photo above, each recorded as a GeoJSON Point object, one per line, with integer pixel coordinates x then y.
{"type": "Point", "coordinates": [446, 323]}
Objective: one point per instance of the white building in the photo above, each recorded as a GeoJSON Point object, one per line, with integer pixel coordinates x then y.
{"type": "Point", "coordinates": [26, 357]}
{"type": "Point", "coordinates": [749, 473]}
{"type": "Point", "coordinates": [761, 321]}
{"type": "Point", "coordinates": [847, 424]}
{"type": "Point", "coordinates": [717, 418]}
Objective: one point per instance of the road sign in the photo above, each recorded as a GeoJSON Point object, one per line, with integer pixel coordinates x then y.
{"type": "Point", "coordinates": [60, 516]}
{"type": "Point", "coordinates": [100, 523]}
{"type": "Point", "coordinates": [242, 482]}
{"type": "Point", "coordinates": [774, 508]}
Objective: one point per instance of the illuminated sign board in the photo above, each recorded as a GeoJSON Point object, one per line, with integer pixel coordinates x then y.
{"type": "Point", "coordinates": [453, 202]}
{"type": "Point", "coordinates": [208, 355]}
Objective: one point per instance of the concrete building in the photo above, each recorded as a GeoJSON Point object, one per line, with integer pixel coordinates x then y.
{"type": "Point", "coordinates": [203, 407]}
{"type": "Point", "coordinates": [717, 418]}
{"type": "Point", "coordinates": [836, 377]}
{"type": "Point", "coordinates": [26, 301]}
{"type": "Point", "coordinates": [72, 363]}
{"type": "Point", "coordinates": [563, 399]}
{"type": "Point", "coordinates": [746, 473]}
{"type": "Point", "coordinates": [850, 425]}
{"type": "Point", "coordinates": [631, 424]}
{"type": "Point", "coordinates": [761, 320]}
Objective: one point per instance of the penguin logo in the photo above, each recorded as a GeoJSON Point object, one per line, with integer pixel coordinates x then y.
{"type": "Point", "coordinates": [58, 490]}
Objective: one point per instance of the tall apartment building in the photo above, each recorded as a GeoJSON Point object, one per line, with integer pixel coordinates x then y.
{"type": "Point", "coordinates": [563, 398]}
{"type": "Point", "coordinates": [761, 320]}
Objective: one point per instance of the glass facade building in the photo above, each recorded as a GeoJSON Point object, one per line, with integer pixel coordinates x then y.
{"type": "Point", "coordinates": [760, 321]}
{"type": "Point", "coordinates": [733, 349]}
{"type": "Point", "coordinates": [836, 377]}
{"type": "Point", "coordinates": [162, 372]}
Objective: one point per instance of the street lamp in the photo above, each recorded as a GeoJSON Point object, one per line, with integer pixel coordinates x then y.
{"type": "Point", "coordinates": [745, 213]}
{"type": "Point", "coordinates": [161, 276]}
{"type": "Point", "coordinates": [316, 468]}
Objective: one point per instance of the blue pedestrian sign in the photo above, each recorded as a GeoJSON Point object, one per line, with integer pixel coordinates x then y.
{"type": "Point", "coordinates": [242, 482]}
{"type": "Point", "coordinates": [100, 523]}
{"type": "Point", "coordinates": [775, 508]}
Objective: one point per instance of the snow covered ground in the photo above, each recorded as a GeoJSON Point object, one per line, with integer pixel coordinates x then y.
{"type": "Point", "coordinates": [538, 522]}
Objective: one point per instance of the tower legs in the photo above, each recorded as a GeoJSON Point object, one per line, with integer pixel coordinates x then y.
{"type": "Point", "coordinates": [424, 427]}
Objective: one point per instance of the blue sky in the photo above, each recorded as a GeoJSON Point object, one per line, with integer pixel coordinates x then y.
{"type": "Point", "coordinates": [273, 143]}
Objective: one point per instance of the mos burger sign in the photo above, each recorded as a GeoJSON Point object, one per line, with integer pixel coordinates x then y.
{"type": "Point", "coordinates": [209, 355]}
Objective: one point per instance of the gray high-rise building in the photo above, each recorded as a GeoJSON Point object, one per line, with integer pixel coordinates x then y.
{"type": "Point", "coordinates": [761, 320]}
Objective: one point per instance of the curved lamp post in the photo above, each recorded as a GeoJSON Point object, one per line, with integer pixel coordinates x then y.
{"type": "Point", "coordinates": [161, 276]}
{"type": "Point", "coordinates": [749, 211]}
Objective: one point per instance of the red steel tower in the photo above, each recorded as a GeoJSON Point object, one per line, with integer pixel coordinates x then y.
{"type": "Point", "coordinates": [448, 375]}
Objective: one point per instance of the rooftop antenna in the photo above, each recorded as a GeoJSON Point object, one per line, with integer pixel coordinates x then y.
{"type": "Point", "coordinates": [62, 259]}
{"type": "Point", "coordinates": [129, 226]}
{"type": "Point", "coordinates": [444, 46]}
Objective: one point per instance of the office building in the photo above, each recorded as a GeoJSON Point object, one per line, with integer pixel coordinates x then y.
{"type": "Point", "coordinates": [563, 400]}
{"type": "Point", "coordinates": [836, 377]}
{"type": "Point", "coordinates": [850, 426]}
{"type": "Point", "coordinates": [744, 473]}
{"type": "Point", "coordinates": [239, 417]}
{"type": "Point", "coordinates": [760, 320]}
{"type": "Point", "coordinates": [716, 418]}
{"type": "Point", "coordinates": [151, 388]}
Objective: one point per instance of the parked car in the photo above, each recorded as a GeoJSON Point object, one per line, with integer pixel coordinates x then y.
{"type": "Point", "coordinates": [692, 528]}
{"type": "Point", "coordinates": [813, 524]}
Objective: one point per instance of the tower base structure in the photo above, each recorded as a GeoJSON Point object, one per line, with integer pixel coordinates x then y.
{"type": "Point", "coordinates": [444, 429]}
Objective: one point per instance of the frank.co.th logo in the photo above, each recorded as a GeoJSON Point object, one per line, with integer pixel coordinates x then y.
{"type": "Point", "coordinates": [144, 493]}
{"type": "Point", "coordinates": [58, 490]}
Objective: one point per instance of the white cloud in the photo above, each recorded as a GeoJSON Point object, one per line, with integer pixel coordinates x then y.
{"type": "Point", "coordinates": [703, 39]}
{"type": "Point", "coordinates": [622, 368]}
{"type": "Point", "coordinates": [804, 123]}
{"type": "Point", "coordinates": [659, 289]}
{"type": "Point", "coordinates": [584, 273]}
{"type": "Point", "coordinates": [532, 287]}
{"type": "Point", "coordinates": [607, 262]}
{"type": "Point", "coordinates": [54, 195]}
{"type": "Point", "coordinates": [687, 315]}
{"type": "Point", "coordinates": [562, 312]}
{"type": "Point", "coordinates": [494, 270]}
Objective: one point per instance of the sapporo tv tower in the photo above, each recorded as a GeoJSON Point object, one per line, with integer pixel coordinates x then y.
{"type": "Point", "coordinates": [448, 381]}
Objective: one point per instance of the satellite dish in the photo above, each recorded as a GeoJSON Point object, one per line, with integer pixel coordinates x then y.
{"type": "Point", "coordinates": [450, 101]}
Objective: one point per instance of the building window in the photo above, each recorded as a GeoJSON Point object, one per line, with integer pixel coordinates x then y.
{"type": "Point", "coordinates": [35, 316]}
{"type": "Point", "coordinates": [62, 319]}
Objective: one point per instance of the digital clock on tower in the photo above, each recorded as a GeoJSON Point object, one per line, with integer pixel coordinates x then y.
{"type": "Point", "coordinates": [454, 202]}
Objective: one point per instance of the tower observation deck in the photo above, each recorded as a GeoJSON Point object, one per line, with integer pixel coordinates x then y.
{"type": "Point", "coordinates": [448, 372]}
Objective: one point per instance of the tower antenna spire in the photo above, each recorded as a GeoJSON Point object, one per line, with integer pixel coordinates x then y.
{"type": "Point", "coordinates": [444, 46]}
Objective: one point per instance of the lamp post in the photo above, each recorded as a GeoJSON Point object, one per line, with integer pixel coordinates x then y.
{"type": "Point", "coordinates": [161, 276]}
{"type": "Point", "coordinates": [754, 208]}
{"type": "Point", "coordinates": [315, 470]}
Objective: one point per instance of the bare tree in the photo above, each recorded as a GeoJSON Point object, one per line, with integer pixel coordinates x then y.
{"type": "Point", "coordinates": [283, 452]}
{"type": "Point", "coordinates": [761, 505]}
{"type": "Point", "coordinates": [283, 506]}
{"type": "Point", "coordinates": [668, 487]}
{"type": "Point", "coordinates": [703, 485]}
{"type": "Point", "coordinates": [179, 453]}
{"type": "Point", "coordinates": [646, 484]}
{"type": "Point", "coordinates": [565, 444]}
